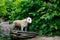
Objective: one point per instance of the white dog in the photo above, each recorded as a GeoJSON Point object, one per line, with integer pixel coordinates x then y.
{"type": "Point", "coordinates": [23, 23]}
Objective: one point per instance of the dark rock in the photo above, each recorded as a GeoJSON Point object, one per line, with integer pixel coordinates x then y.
{"type": "Point", "coordinates": [23, 35]}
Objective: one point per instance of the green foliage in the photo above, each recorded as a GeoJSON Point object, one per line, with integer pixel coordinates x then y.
{"type": "Point", "coordinates": [45, 14]}
{"type": "Point", "coordinates": [3, 37]}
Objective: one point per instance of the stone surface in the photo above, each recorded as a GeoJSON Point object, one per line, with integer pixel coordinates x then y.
{"type": "Point", "coordinates": [23, 35]}
{"type": "Point", "coordinates": [46, 38]}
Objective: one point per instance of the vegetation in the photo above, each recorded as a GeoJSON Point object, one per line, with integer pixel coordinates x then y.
{"type": "Point", "coordinates": [45, 14]}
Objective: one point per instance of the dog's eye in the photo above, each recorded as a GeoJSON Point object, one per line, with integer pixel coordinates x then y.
{"type": "Point", "coordinates": [29, 19]}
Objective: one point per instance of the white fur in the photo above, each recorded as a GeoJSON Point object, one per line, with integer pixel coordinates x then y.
{"type": "Point", "coordinates": [23, 23]}
{"type": "Point", "coordinates": [29, 20]}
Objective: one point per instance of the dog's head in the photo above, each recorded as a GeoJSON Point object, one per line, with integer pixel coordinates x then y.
{"type": "Point", "coordinates": [29, 20]}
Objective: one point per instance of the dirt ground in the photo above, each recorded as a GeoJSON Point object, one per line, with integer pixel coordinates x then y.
{"type": "Point", "coordinates": [46, 38]}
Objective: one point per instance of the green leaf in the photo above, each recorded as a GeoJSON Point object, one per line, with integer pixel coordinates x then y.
{"type": "Point", "coordinates": [56, 27]}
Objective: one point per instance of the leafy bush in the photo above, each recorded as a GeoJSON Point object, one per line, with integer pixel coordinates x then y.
{"type": "Point", "coordinates": [45, 14]}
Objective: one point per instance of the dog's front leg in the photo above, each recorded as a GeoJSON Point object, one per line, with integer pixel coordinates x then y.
{"type": "Point", "coordinates": [22, 28]}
